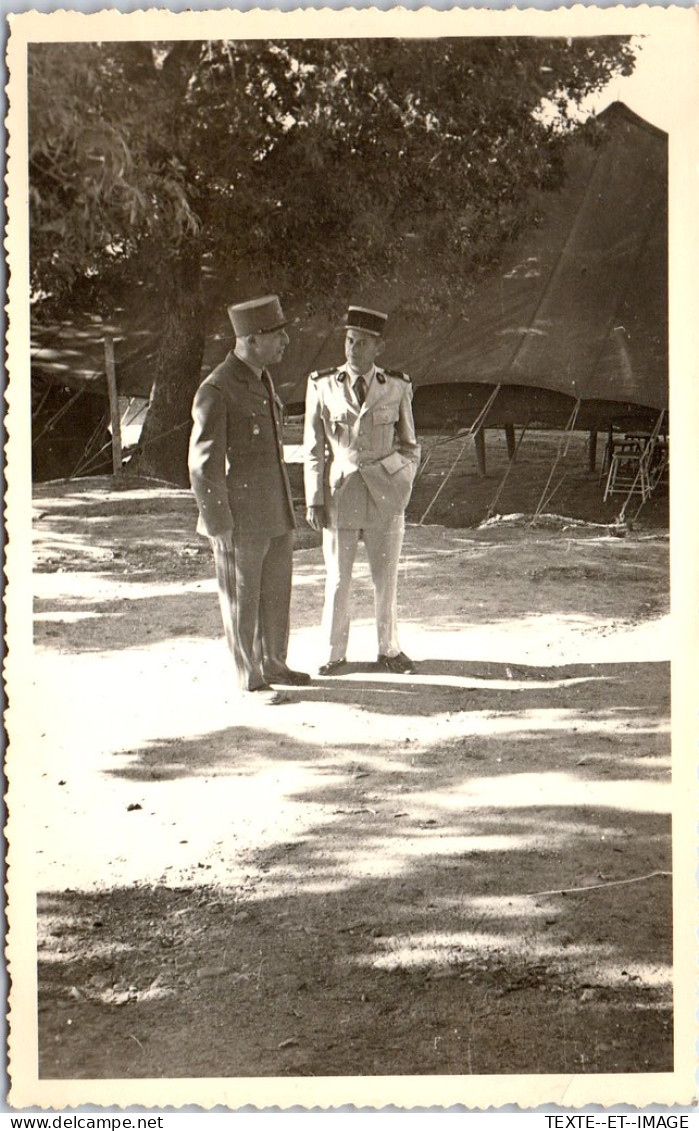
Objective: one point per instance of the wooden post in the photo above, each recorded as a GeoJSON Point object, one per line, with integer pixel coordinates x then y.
{"type": "Point", "coordinates": [479, 441]}
{"type": "Point", "coordinates": [510, 440]}
{"type": "Point", "coordinates": [113, 406]}
{"type": "Point", "coordinates": [592, 461]}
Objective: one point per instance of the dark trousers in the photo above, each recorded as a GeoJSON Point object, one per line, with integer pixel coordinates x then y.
{"type": "Point", "coordinates": [254, 592]}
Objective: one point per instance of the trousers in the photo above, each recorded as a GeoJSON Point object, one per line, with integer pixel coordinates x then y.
{"type": "Point", "coordinates": [383, 547]}
{"type": "Point", "coordinates": [254, 592]}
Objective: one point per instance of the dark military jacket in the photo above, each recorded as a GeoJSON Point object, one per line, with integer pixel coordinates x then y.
{"type": "Point", "coordinates": [236, 454]}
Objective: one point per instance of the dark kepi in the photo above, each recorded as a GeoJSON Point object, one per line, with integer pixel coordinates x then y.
{"type": "Point", "coordinates": [368, 321]}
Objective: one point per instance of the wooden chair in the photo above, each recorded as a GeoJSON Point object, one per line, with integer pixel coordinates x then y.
{"type": "Point", "coordinates": [638, 462]}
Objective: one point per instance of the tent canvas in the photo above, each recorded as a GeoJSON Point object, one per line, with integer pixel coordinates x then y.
{"type": "Point", "coordinates": [577, 308]}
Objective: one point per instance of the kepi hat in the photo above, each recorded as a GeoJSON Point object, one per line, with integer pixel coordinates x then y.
{"type": "Point", "coordinates": [258, 316]}
{"type": "Point", "coordinates": [368, 321]}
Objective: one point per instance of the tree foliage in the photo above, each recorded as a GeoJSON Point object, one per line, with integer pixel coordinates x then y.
{"type": "Point", "coordinates": [102, 175]}
{"type": "Point", "coordinates": [323, 163]}
{"type": "Point", "coordinates": [320, 159]}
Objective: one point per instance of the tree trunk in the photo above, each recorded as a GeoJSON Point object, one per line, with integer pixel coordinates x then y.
{"type": "Point", "coordinates": [162, 452]}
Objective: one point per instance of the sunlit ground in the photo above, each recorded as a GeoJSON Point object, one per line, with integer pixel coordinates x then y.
{"type": "Point", "coordinates": [499, 819]}
{"type": "Point", "coordinates": [147, 741]}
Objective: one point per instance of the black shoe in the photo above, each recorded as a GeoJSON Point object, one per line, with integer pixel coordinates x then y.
{"type": "Point", "coordinates": [291, 678]}
{"type": "Point", "coordinates": [333, 667]}
{"type": "Point", "coordinates": [400, 664]}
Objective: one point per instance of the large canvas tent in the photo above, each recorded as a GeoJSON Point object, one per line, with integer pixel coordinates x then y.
{"type": "Point", "coordinates": [576, 310]}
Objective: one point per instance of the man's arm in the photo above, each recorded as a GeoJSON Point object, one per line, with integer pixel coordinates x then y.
{"type": "Point", "coordinates": [207, 463]}
{"type": "Point", "coordinates": [405, 429]}
{"type": "Point", "coordinates": [314, 457]}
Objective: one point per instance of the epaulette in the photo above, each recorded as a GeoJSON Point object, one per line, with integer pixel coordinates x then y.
{"type": "Point", "coordinates": [323, 372]}
{"type": "Point", "coordinates": [397, 373]}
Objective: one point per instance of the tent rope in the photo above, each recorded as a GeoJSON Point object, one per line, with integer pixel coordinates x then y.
{"type": "Point", "coordinates": [90, 463]}
{"type": "Point", "coordinates": [440, 442]}
{"type": "Point", "coordinates": [597, 887]}
{"type": "Point", "coordinates": [563, 445]}
{"type": "Point", "coordinates": [508, 469]}
{"type": "Point", "coordinates": [140, 447]}
{"type": "Point", "coordinates": [88, 455]}
{"type": "Point", "coordinates": [477, 424]}
{"type": "Point", "coordinates": [87, 466]}
{"type": "Point", "coordinates": [57, 416]}
{"type": "Point", "coordinates": [44, 397]}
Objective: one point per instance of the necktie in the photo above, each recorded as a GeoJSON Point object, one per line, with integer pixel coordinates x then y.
{"type": "Point", "coordinates": [360, 390]}
{"type": "Point", "coordinates": [267, 382]}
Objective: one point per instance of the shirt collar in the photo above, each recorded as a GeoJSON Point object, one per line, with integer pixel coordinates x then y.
{"type": "Point", "coordinates": [354, 377]}
{"type": "Point", "coordinates": [253, 368]}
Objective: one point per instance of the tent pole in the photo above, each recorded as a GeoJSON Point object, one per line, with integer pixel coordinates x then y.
{"type": "Point", "coordinates": [592, 451]}
{"type": "Point", "coordinates": [117, 464]}
{"type": "Point", "coordinates": [479, 442]}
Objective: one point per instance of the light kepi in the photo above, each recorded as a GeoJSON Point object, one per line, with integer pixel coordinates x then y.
{"type": "Point", "coordinates": [258, 316]}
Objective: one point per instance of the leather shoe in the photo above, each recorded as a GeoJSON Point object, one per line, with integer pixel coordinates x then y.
{"type": "Point", "coordinates": [400, 664]}
{"type": "Point", "coordinates": [266, 696]}
{"type": "Point", "coordinates": [291, 678]}
{"type": "Point", "coordinates": [333, 667]}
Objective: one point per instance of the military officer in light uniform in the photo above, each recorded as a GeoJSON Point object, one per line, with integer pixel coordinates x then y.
{"type": "Point", "coordinates": [237, 472]}
{"type": "Point", "coordinates": [360, 455]}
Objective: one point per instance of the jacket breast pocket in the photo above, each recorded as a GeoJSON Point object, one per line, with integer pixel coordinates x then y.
{"type": "Point", "coordinates": [385, 414]}
{"type": "Point", "coordinates": [250, 434]}
{"type": "Point", "coordinates": [384, 418]}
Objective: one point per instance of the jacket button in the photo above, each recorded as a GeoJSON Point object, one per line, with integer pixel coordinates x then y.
{"type": "Point", "coordinates": [255, 429]}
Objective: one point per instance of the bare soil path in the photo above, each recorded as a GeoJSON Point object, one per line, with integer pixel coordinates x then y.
{"type": "Point", "coordinates": [465, 870]}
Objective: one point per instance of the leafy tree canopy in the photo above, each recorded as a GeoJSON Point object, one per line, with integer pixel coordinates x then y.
{"type": "Point", "coordinates": [309, 167]}
{"type": "Point", "coordinates": [320, 161]}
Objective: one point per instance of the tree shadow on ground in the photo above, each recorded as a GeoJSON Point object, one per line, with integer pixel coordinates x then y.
{"type": "Point", "coordinates": [474, 882]}
{"type": "Point", "coordinates": [448, 913]}
{"type": "Point", "coordinates": [153, 564]}
{"type": "Point", "coordinates": [444, 965]}
{"type": "Point", "coordinates": [107, 625]}
{"type": "Point", "coordinates": [481, 687]}
{"type": "Point", "coordinates": [486, 901]}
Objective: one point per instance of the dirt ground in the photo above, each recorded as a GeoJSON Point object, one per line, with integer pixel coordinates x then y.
{"type": "Point", "coordinates": [461, 871]}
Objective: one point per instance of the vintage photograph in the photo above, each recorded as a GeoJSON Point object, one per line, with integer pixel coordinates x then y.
{"type": "Point", "coordinates": [341, 743]}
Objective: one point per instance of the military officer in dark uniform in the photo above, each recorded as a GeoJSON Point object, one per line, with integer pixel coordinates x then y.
{"type": "Point", "coordinates": [361, 455]}
{"type": "Point", "coordinates": [237, 472]}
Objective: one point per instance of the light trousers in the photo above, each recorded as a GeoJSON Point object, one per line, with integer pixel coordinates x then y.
{"type": "Point", "coordinates": [383, 547]}
{"type": "Point", "coordinates": [254, 592]}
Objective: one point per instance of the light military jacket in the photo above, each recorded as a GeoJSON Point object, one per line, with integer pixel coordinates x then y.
{"type": "Point", "coordinates": [236, 454]}
{"type": "Point", "coordinates": [359, 463]}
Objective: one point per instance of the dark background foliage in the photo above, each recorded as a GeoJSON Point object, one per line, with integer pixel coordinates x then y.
{"type": "Point", "coordinates": [300, 166]}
